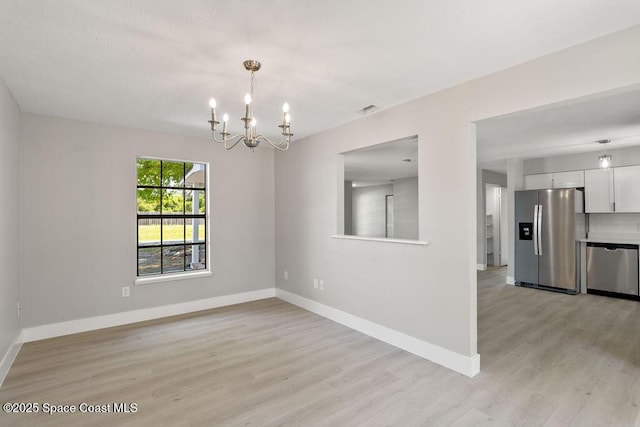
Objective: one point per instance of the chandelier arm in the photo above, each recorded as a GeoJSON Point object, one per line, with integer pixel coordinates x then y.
{"type": "Point", "coordinates": [213, 136]}
{"type": "Point", "coordinates": [226, 141]}
{"type": "Point", "coordinates": [282, 145]}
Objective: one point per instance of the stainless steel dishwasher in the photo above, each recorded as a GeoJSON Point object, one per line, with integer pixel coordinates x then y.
{"type": "Point", "coordinates": [612, 268]}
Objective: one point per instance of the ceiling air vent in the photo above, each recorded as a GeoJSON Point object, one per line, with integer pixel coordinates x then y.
{"type": "Point", "coordinates": [368, 109]}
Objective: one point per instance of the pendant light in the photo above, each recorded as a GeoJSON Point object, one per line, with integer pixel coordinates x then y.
{"type": "Point", "coordinates": [605, 159]}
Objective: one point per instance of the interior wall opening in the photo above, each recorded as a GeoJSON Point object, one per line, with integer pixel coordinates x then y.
{"type": "Point", "coordinates": [381, 190]}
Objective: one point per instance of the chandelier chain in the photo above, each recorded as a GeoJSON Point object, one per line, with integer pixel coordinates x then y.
{"type": "Point", "coordinates": [253, 99]}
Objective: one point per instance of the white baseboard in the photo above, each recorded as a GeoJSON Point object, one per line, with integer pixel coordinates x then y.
{"type": "Point", "coordinates": [9, 357]}
{"type": "Point", "coordinates": [467, 365]}
{"type": "Point", "coordinates": [481, 267]}
{"type": "Point", "coordinates": [511, 280]}
{"type": "Point", "coordinates": [99, 322]}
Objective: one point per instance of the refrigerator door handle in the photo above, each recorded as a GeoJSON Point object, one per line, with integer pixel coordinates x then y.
{"type": "Point", "coordinates": [539, 236]}
{"type": "Point", "coordinates": [535, 229]}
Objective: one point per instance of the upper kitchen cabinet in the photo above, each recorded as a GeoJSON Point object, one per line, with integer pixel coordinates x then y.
{"type": "Point", "coordinates": [540, 181]}
{"type": "Point", "coordinates": [627, 189]}
{"type": "Point", "coordinates": [598, 191]}
{"type": "Point", "coordinates": [572, 179]}
{"type": "Point", "coordinates": [612, 190]}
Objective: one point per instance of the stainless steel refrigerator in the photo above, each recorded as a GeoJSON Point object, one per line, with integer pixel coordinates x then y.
{"type": "Point", "coordinates": [549, 224]}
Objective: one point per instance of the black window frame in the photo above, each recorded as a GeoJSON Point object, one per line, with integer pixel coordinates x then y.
{"type": "Point", "coordinates": [161, 216]}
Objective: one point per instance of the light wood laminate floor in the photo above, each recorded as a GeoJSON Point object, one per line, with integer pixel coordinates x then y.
{"type": "Point", "coordinates": [547, 359]}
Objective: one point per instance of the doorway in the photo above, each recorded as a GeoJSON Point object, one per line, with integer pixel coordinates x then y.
{"type": "Point", "coordinates": [496, 225]}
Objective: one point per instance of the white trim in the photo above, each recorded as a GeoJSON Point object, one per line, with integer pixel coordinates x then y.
{"type": "Point", "coordinates": [92, 323]}
{"type": "Point", "coordinates": [481, 267]}
{"type": "Point", "coordinates": [467, 365]}
{"type": "Point", "coordinates": [9, 357]}
{"type": "Point", "coordinates": [380, 239]}
{"type": "Point", "coordinates": [171, 277]}
{"type": "Point", "coordinates": [511, 280]}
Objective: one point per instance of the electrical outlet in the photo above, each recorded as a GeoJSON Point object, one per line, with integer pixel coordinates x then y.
{"type": "Point", "coordinates": [315, 283]}
{"type": "Point", "coordinates": [19, 310]}
{"type": "Point", "coordinates": [286, 275]}
{"type": "Point", "coordinates": [126, 291]}
{"type": "Point", "coordinates": [321, 285]}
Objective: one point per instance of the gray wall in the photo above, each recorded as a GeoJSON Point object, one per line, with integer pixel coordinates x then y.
{"type": "Point", "coordinates": [405, 208]}
{"type": "Point", "coordinates": [369, 208]}
{"type": "Point", "coordinates": [485, 177]}
{"type": "Point", "coordinates": [428, 292]}
{"type": "Point", "coordinates": [78, 224]}
{"type": "Point", "coordinates": [9, 219]}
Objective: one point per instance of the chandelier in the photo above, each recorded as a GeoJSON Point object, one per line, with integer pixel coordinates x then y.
{"type": "Point", "coordinates": [250, 138]}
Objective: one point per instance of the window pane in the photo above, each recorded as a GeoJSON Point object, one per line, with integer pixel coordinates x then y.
{"type": "Point", "coordinates": [195, 231]}
{"type": "Point", "coordinates": [203, 254]}
{"type": "Point", "coordinates": [172, 259]}
{"type": "Point", "coordinates": [172, 230]}
{"type": "Point", "coordinates": [172, 202]}
{"type": "Point", "coordinates": [196, 175]}
{"type": "Point", "coordinates": [148, 201]}
{"type": "Point", "coordinates": [193, 256]}
{"type": "Point", "coordinates": [149, 231]}
{"type": "Point", "coordinates": [172, 174]}
{"type": "Point", "coordinates": [201, 203]}
{"type": "Point", "coordinates": [148, 261]}
{"type": "Point", "coordinates": [188, 253]}
{"type": "Point", "coordinates": [148, 172]}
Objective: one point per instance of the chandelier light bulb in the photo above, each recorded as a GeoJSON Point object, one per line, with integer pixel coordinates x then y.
{"type": "Point", "coordinates": [212, 103]}
{"type": "Point", "coordinates": [285, 107]}
{"type": "Point", "coordinates": [225, 117]}
{"type": "Point", "coordinates": [253, 122]}
{"type": "Point", "coordinates": [247, 99]}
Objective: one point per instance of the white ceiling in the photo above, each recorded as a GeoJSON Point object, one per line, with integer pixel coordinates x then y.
{"type": "Point", "coordinates": [382, 163]}
{"type": "Point", "coordinates": [566, 128]}
{"type": "Point", "coordinates": [153, 64]}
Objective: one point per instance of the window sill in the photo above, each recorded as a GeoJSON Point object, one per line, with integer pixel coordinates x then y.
{"type": "Point", "coordinates": [381, 239]}
{"type": "Point", "coordinates": [171, 277]}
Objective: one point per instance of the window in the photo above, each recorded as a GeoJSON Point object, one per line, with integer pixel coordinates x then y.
{"type": "Point", "coordinates": [172, 216]}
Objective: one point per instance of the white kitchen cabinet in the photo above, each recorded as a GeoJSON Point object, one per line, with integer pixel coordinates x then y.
{"type": "Point", "coordinates": [538, 181]}
{"type": "Point", "coordinates": [598, 191]}
{"type": "Point", "coordinates": [571, 179]}
{"type": "Point", "coordinates": [627, 188]}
